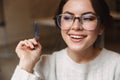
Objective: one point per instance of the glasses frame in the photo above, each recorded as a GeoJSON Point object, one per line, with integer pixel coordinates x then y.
{"type": "Point", "coordinates": [79, 18]}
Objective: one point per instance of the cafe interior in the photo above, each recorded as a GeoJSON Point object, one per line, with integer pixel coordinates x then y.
{"type": "Point", "coordinates": [17, 19]}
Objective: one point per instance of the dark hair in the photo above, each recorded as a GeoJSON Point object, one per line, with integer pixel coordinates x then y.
{"type": "Point", "coordinates": [101, 8]}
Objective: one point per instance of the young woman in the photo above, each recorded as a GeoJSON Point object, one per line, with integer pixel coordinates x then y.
{"type": "Point", "coordinates": [81, 23]}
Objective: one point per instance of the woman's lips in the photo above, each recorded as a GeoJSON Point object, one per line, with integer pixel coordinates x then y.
{"type": "Point", "coordinates": [77, 38]}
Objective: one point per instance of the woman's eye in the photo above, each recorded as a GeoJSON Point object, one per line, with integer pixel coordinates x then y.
{"type": "Point", "coordinates": [89, 18]}
{"type": "Point", "coordinates": [67, 18]}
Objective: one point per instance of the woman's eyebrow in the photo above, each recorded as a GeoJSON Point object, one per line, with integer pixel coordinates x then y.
{"type": "Point", "coordinates": [89, 12]}
{"type": "Point", "coordinates": [67, 12]}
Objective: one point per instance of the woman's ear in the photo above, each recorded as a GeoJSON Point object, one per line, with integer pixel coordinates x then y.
{"type": "Point", "coordinates": [101, 30]}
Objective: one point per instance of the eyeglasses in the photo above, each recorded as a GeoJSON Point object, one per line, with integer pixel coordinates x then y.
{"type": "Point", "coordinates": [88, 21]}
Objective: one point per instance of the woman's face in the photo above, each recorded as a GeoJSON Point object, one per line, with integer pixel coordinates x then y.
{"type": "Point", "coordinates": [77, 38]}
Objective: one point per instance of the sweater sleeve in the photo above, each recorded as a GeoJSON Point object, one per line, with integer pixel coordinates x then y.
{"type": "Point", "coordinates": [117, 75]}
{"type": "Point", "coordinates": [40, 69]}
{"type": "Point", "coordinates": [20, 74]}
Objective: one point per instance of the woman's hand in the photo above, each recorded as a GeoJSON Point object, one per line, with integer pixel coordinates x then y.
{"type": "Point", "coordinates": [29, 53]}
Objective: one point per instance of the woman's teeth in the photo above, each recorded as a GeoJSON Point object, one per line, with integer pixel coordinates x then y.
{"type": "Point", "coordinates": [76, 36]}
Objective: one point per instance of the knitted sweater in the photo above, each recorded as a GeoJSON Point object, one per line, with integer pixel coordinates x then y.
{"type": "Point", "coordinates": [59, 66]}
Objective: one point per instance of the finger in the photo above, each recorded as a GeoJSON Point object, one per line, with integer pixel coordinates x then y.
{"type": "Point", "coordinates": [39, 46]}
{"type": "Point", "coordinates": [21, 44]}
{"type": "Point", "coordinates": [33, 41]}
{"type": "Point", "coordinates": [25, 44]}
{"type": "Point", "coordinates": [29, 44]}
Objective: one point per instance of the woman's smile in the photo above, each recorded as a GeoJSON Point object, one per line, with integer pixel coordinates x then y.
{"type": "Point", "coordinates": [77, 37]}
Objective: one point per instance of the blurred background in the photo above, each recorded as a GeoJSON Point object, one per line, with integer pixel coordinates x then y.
{"type": "Point", "coordinates": [16, 23]}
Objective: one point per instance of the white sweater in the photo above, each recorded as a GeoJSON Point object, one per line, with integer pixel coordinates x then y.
{"type": "Point", "coordinates": [59, 66]}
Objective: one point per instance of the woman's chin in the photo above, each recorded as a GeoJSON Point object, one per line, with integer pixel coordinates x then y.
{"type": "Point", "coordinates": [75, 48]}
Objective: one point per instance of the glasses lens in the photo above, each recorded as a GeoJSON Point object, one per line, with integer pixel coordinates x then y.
{"type": "Point", "coordinates": [65, 21]}
{"type": "Point", "coordinates": [89, 21]}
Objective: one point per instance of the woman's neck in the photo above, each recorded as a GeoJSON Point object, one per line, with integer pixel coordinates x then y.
{"type": "Point", "coordinates": [84, 56]}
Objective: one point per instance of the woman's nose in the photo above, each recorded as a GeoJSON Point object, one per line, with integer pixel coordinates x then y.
{"type": "Point", "coordinates": [77, 25]}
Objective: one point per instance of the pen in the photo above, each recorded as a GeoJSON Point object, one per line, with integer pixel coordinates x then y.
{"type": "Point", "coordinates": [36, 31]}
